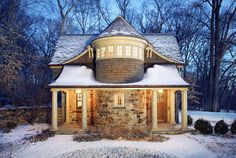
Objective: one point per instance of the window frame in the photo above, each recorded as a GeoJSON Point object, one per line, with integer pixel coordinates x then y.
{"type": "Point", "coordinates": [119, 100]}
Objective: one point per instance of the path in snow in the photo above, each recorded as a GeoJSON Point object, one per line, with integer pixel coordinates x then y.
{"type": "Point", "coordinates": [115, 152]}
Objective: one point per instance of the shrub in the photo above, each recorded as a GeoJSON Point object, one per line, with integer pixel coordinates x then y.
{"type": "Point", "coordinates": [190, 120]}
{"type": "Point", "coordinates": [41, 136]}
{"type": "Point", "coordinates": [221, 127]}
{"type": "Point", "coordinates": [203, 126]}
{"type": "Point", "coordinates": [11, 125]}
{"type": "Point", "coordinates": [233, 127]}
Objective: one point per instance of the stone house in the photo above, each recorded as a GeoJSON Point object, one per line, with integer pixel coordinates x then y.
{"type": "Point", "coordinates": [118, 79]}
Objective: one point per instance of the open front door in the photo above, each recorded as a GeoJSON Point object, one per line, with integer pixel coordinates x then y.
{"type": "Point", "coordinates": [161, 106]}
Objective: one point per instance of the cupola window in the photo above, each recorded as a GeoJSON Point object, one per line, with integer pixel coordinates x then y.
{"type": "Point", "coordinates": [119, 50]}
{"type": "Point", "coordinates": [98, 53]}
{"type": "Point", "coordinates": [103, 52]}
{"type": "Point", "coordinates": [110, 50]}
{"type": "Point", "coordinates": [128, 51]}
{"type": "Point", "coordinates": [135, 51]}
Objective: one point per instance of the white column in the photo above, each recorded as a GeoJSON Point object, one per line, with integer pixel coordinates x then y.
{"type": "Point", "coordinates": [184, 108]}
{"type": "Point", "coordinates": [84, 110]}
{"type": "Point", "coordinates": [54, 110]}
{"type": "Point", "coordinates": [172, 106]}
{"type": "Point", "coordinates": [67, 106]}
{"type": "Point", "coordinates": [154, 110]}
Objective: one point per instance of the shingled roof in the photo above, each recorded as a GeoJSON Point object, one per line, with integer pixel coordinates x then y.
{"type": "Point", "coordinates": [69, 46]}
{"type": "Point", "coordinates": [119, 27]}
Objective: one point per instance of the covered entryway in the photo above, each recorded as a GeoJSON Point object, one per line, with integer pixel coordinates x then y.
{"type": "Point", "coordinates": [162, 106]}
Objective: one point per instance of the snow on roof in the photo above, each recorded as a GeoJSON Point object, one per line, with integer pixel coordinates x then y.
{"type": "Point", "coordinates": [166, 44]}
{"type": "Point", "coordinates": [69, 46]}
{"type": "Point", "coordinates": [158, 75]}
{"type": "Point", "coordinates": [119, 27]}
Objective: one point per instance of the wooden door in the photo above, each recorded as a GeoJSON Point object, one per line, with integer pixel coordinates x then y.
{"type": "Point", "coordinates": [161, 107]}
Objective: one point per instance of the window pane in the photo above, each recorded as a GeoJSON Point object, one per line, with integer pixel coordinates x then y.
{"type": "Point", "coordinates": [135, 52]}
{"type": "Point", "coordinates": [103, 52]}
{"type": "Point", "coordinates": [119, 50]}
{"type": "Point", "coordinates": [128, 50]}
{"type": "Point", "coordinates": [110, 50]}
{"type": "Point", "coordinates": [98, 53]}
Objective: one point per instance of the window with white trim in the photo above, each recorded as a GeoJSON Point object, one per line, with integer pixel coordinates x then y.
{"type": "Point", "coordinates": [128, 50]}
{"type": "Point", "coordinates": [119, 50]}
{"type": "Point", "coordinates": [103, 52]}
{"type": "Point", "coordinates": [110, 51]}
{"type": "Point", "coordinates": [119, 100]}
{"type": "Point", "coordinates": [98, 53]}
{"type": "Point", "coordinates": [140, 53]}
{"type": "Point", "coordinates": [135, 52]}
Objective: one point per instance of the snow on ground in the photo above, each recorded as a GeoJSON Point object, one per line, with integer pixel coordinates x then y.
{"type": "Point", "coordinates": [178, 145]}
{"type": "Point", "coordinates": [213, 116]}
{"type": "Point", "coordinates": [182, 146]}
{"type": "Point", "coordinates": [10, 142]}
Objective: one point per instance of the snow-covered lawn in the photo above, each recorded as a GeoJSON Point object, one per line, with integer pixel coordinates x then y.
{"type": "Point", "coordinates": [182, 146]}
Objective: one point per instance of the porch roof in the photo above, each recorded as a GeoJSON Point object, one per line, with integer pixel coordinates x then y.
{"type": "Point", "coordinates": [156, 76]}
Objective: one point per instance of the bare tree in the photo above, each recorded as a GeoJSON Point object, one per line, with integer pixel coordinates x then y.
{"type": "Point", "coordinates": [65, 8]}
{"type": "Point", "coordinates": [123, 6]}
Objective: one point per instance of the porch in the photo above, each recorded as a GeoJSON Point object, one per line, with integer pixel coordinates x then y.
{"type": "Point", "coordinates": [84, 119]}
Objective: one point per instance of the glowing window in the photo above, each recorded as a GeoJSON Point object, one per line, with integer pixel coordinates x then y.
{"type": "Point", "coordinates": [128, 50]}
{"type": "Point", "coordinates": [140, 53]}
{"type": "Point", "coordinates": [79, 98]}
{"type": "Point", "coordinates": [119, 50]}
{"type": "Point", "coordinates": [119, 100]}
{"type": "Point", "coordinates": [135, 51]}
{"type": "Point", "coordinates": [103, 52]}
{"type": "Point", "coordinates": [110, 50]}
{"type": "Point", "coordinates": [98, 53]}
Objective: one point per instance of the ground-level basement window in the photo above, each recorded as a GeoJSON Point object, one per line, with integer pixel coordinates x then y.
{"type": "Point", "coordinates": [119, 100]}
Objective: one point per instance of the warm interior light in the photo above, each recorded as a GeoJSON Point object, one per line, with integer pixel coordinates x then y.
{"type": "Point", "coordinates": [160, 90]}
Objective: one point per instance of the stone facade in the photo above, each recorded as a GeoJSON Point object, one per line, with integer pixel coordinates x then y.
{"type": "Point", "coordinates": [131, 116]}
{"type": "Point", "coordinates": [119, 70]}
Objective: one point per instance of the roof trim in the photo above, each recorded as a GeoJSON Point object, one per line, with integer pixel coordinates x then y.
{"type": "Point", "coordinates": [121, 86]}
{"type": "Point", "coordinates": [75, 57]}
{"type": "Point", "coordinates": [167, 58]}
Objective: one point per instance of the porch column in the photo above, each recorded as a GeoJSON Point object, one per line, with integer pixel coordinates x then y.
{"type": "Point", "coordinates": [54, 110]}
{"type": "Point", "coordinates": [184, 108]}
{"type": "Point", "coordinates": [172, 106]}
{"type": "Point", "coordinates": [67, 106]}
{"type": "Point", "coordinates": [154, 110]}
{"type": "Point", "coordinates": [84, 110]}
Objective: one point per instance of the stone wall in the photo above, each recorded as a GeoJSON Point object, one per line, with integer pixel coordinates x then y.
{"type": "Point", "coordinates": [131, 116]}
{"type": "Point", "coordinates": [119, 70]}
{"type": "Point", "coordinates": [23, 114]}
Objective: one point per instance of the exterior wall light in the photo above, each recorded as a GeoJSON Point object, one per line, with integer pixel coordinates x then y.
{"type": "Point", "coordinates": [160, 90]}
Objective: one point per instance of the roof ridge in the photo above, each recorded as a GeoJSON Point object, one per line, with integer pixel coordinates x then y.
{"type": "Point", "coordinates": [125, 26]}
{"type": "Point", "coordinates": [119, 16]}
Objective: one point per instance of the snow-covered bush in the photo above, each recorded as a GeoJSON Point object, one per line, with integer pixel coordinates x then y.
{"type": "Point", "coordinates": [190, 120]}
{"type": "Point", "coordinates": [221, 127]}
{"type": "Point", "coordinates": [233, 127]}
{"type": "Point", "coordinates": [203, 126]}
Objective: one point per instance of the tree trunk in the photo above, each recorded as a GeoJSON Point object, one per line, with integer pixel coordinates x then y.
{"type": "Point", "coordinates": [215, 99]}
{"type": "Point", "coordinates": [211, 80]}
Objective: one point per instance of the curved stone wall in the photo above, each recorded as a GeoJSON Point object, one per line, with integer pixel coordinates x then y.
{"type": "Point", "coordinates": [119, 70]}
